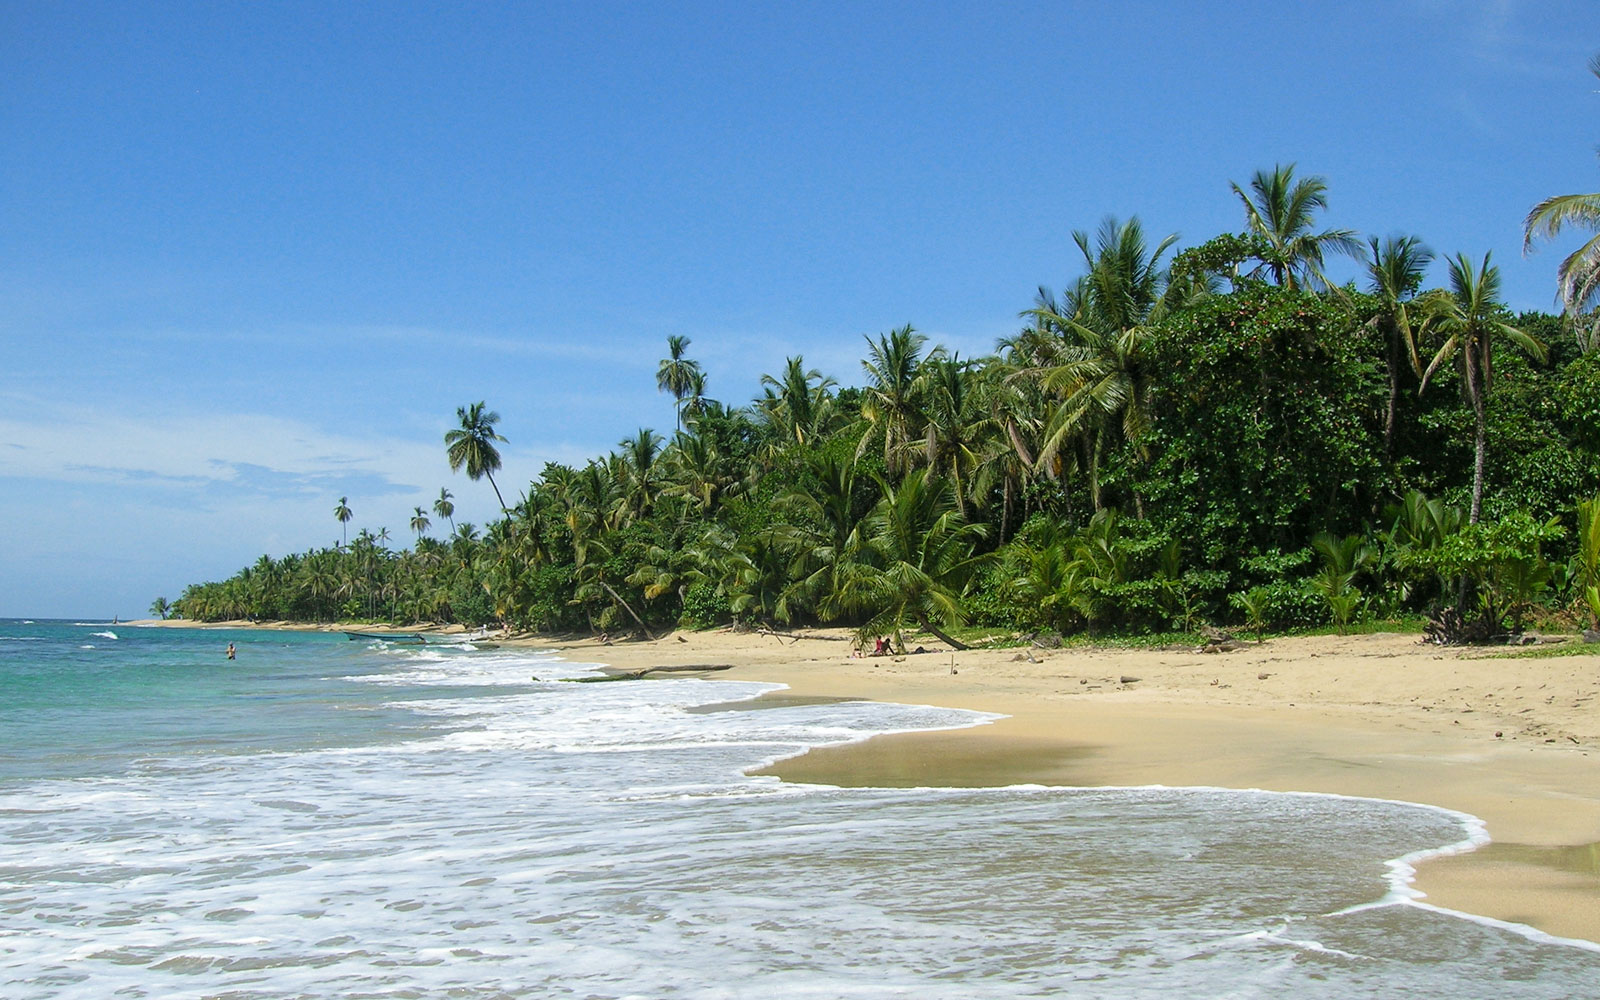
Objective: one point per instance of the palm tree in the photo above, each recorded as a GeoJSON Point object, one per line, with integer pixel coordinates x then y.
{"type": "Point", "coordinates": [1280, 209]}
{"type": "Point", "coordinates": [590, 574]}
{"type": "Point", "coordinates": [1578, 277]}
{"type": "Point", "coordinates": [889, 401]}
{"type": "Point", "coordinates": [1469, 318]}
{"type": "Point", "coordinates": [342, 514]}
{"type": "Point", "coordinates": [697, 472]}
{"type": "Point", "coordinates": [960, 423]}
{"type": "Point", "coordinates": [677, 375]}
{"type": "Point", "coordinates": [472, 445]}
{"type": "Point", "coordinates": [160, 607]}
{"type": "Point", "coordinates": [695, 400]}
{"type": "Point", "coordinates": [419, 521]}
{"type": "Point", "coordinates": [823, 513]}
{"type": "Point", "coordinates": [918, 559]}
{"type": "Point", "coordinates": [641, 470]}
{"type": "Point", "coordinates": [1097, 368]}
{"type": "Point", "coordinates": [797, 407]}
{"type": "Point", "coordinates": [444, 508]}
{"type": "Point", "coordinates": [1395, 269]}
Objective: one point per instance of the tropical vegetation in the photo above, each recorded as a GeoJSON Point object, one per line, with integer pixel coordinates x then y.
{"type": "Point", "coordinates": [1219, 435]}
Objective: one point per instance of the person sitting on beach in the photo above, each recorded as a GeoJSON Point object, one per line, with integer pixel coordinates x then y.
{"type": "Point", "coordinates": [882, 647]}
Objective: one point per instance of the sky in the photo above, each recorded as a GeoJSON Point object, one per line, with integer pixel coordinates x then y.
{"type": "Point", "coordinates": [253, 257]}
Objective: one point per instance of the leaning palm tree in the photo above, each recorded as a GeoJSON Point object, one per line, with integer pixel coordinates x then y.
{"type": "Point", "coordinates": [1395, 269]}
{"type": "Point", "coordinates": [677, 375]}
{"type": "Point", "coordinates": [472, 445]}
{"type": "Point", "coordinates": [342, 514]}
{"type": "Point", "coordinates": [1279, 209]}
{"type": "Point", "coordinates": [1578, 277]}
{"type": "Point", "coordinates": [1469, 318]}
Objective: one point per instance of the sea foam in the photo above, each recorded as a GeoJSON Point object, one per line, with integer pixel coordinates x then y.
{"type": "Point", "coordinates": [539, 837]}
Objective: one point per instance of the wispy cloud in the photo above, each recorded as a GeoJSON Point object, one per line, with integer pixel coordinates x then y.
{"type": "Point", "coordinates": [254, 452]}
{"type": "Point", "coordinates": [1501, 33]}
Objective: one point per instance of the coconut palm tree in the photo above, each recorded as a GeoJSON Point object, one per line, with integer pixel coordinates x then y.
{"type": "Point", "coordinates": [797, 407]}
{"type": "Point", "coordinates": [419, 521]}
{"type": "Point", "coordinates": [1280, 209]}
{"type": "Point", "coordinates": [1395, 271]}
{"type": "Point", "coordinates": [677, 375]}
{"type": "Point", "coordinates": [1096, 368]}
{"type": "Point", "coordinates": [696, 471]}
{"type": "Point", "coordinates": [695, 400]}
{"type": "Point", "coordinates": [640, 471]}
{"type": "Point", "coordinates": [1578, 277]}
{"type": "Point", "coordinates": [889, 400]}
{"type": "Point", "coordinates": [472, 445]}
{"type": "Point", "coordinates": [342, 514]}
{"type": "Point", "coordinates": [823, 517]}
{"type": "Point", "coordinates": [1469, 318]}
{"type": "Point", "coordinates": [444, 508]}
{"type": "Point", "coordinates": [960, 423]}
{"type": "Point", "coordinates": [917, 560]}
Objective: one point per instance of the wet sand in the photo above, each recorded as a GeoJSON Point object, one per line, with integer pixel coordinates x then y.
{"type": "Point", "coordinates": [1379, 716]}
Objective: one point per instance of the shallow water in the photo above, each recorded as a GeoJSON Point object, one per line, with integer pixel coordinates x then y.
{"type": "Point", "coordinates": [322, 818]}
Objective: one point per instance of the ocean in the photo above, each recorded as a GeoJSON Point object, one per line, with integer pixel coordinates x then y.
{"type": "Point", "coordinates": [327, 818]}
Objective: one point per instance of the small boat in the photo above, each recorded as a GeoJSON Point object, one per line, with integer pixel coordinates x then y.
{"type": "Point", "coordinates": [412, 638]}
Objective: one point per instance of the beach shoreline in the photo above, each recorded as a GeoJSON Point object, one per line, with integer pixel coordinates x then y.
{"type": "Point", "coordinates": [1513, 742]}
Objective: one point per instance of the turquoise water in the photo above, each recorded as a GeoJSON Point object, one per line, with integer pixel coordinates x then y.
{"type": "Point", "coordinates": [83, 698]}
{"type": "Point", "coordinates": [329, 818]}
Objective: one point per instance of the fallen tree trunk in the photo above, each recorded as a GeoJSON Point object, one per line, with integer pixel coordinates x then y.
{"type": "Point", "coordinates": [633, 675]}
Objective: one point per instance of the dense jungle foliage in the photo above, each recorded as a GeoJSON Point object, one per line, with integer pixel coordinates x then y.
{"type": "Point", "coordinates": [1218, 436]}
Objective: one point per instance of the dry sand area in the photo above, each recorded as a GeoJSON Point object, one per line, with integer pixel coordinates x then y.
{"type": "Point", "coordinates": [1515, 742]}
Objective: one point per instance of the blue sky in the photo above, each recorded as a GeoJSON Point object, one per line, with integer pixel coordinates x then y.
{"type": "Point", "coordinates": [253, 256]}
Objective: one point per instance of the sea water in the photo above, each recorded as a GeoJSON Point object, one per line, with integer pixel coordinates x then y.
{"type": "Point", "coordinates": [326, 818]}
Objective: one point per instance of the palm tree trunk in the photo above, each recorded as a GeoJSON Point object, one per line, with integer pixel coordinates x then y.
{"type": "Point", "coordinates": [618, 598]}
{"type": "Point", "coordinates": [930, 627]}
{"type": "Point", "coordinates": [1394, 397]}
{"type": "Point", "coordinates": [1093, 448]}
{"type": "Point", "coordinates": [1005, 508]}
{"type": "Point", "coordinates": [497, 495]}
{"type": "Point", "coordinates": [1480, 438]}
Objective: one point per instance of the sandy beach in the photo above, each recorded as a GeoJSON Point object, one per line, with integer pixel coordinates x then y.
{"type": "Point", "coordinates": [1515, 742]}
{"type": "Point", "coordinates": [1512, 741]}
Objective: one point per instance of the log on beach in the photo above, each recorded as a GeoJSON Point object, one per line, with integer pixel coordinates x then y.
{"type": "Point", "coordinates": [633, 675]}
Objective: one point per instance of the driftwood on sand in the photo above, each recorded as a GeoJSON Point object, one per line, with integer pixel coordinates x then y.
{"type": "Point", "coordinates": [633, 675]}
{"type": "Point", "coordinates": [1218, 641]}
{"type": "Point", "coordinates": [796, 638]}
